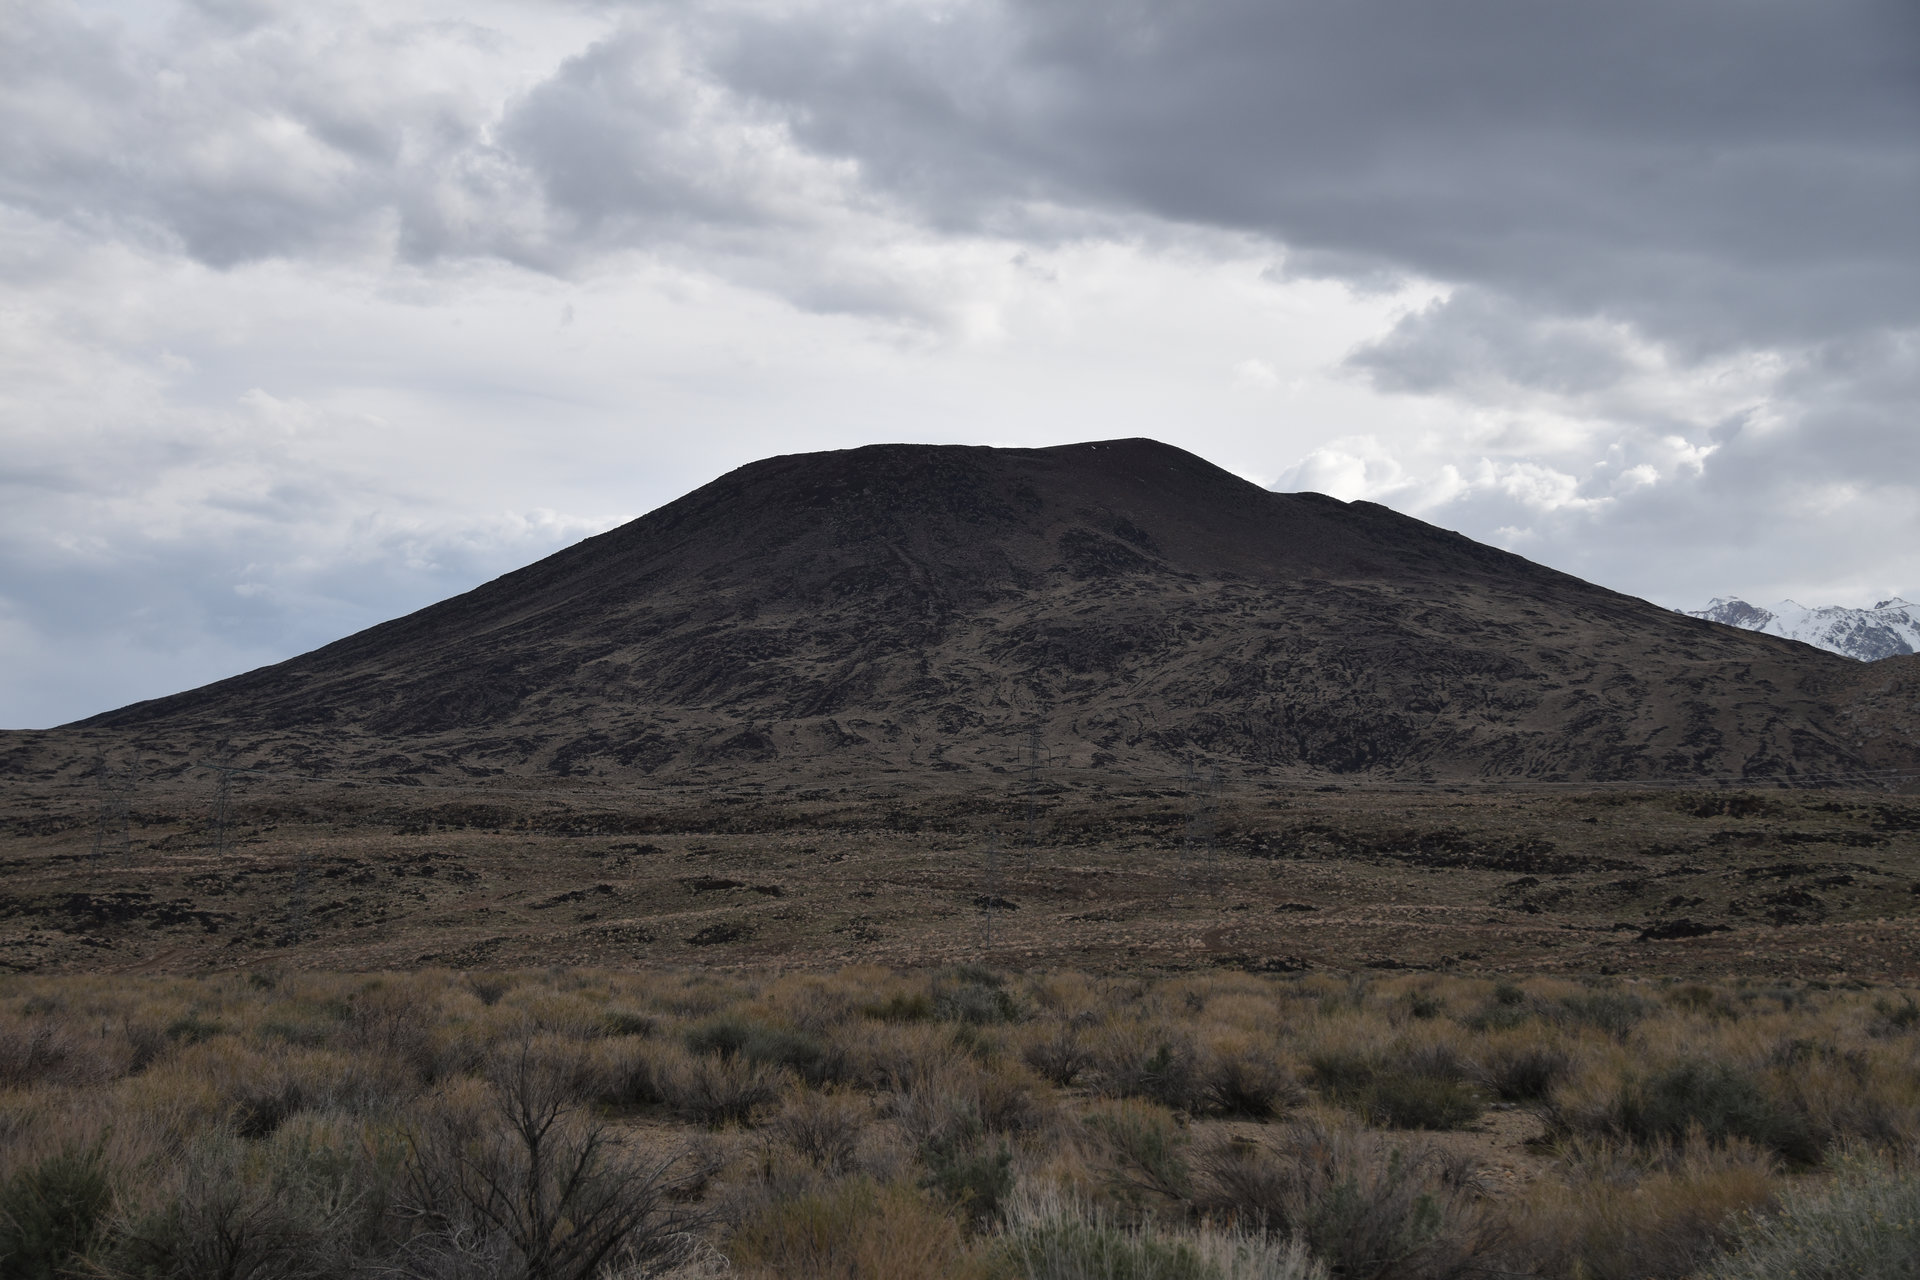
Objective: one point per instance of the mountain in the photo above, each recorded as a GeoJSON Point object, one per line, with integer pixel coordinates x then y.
{"type": "Point", "coordinates": [914, 611]}
{"type": "Point", "coordinates": [1887, 630]}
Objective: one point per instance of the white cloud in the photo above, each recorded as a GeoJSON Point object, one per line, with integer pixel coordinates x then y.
{"type": "Point", "coordinates": [1256, 375]}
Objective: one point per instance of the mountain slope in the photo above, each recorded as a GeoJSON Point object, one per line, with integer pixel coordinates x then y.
{"type": "Point", "coordinates": [1887, 630]}
{"type": "Point", "coordinates": [919, 608]}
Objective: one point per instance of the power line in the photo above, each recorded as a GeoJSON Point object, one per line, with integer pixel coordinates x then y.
{"type": "Point", "coordinates": [1856, 777]}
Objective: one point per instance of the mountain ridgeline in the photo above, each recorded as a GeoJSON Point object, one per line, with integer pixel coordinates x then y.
{"type": "Point", "coordinates": [909, 609]}
{"type": "Point", "coordinates": [1888, 630]}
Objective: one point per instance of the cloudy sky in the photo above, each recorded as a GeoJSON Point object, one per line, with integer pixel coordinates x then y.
{"type": "Point", "coordinates": [312, 313]}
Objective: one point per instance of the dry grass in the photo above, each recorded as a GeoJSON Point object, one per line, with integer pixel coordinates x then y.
{"type": "Point", "coordinates": [1613, 1214]}
{"type": "Point", "coordinates": [874, 1123]}
{"type": "Point", "coordinates": [854, 1230]}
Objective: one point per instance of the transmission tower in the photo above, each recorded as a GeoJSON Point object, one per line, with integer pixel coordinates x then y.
{"type": "Point", "coordinates": [126, 813]}
{"type": "Point", "coordinates": [1203, 801]}
{"type": "Point", "coordinates": [989, 894]}
{"type": "Point", "coordinates": [1189, 783]}
{"type": "Point", "coordinates": [1033, 793]}
{"type": "Point", "coordinates": [113, 830]}
{"type": "Point", "coordinates": [1211, 826]}
{"type": "Point", "coordinates": [217, 821]}
{"type": "Point", "coordinates": [103, 783]}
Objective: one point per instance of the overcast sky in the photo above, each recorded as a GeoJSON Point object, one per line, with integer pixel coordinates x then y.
{"type": "Point", "coordinates": [313, 313]}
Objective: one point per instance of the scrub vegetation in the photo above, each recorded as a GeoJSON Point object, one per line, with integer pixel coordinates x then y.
{"type": "Point", "coordinates": [870, 1123]}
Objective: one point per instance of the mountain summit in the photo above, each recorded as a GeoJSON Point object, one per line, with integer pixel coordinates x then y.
{"type": "Point", "coordinates": [1887, 630]}
{"type": "Point", "coordinates": [922, 609]}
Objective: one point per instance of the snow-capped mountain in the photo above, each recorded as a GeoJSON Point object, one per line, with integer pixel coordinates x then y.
{"type": "Point", "coordinates": [1890, 628]}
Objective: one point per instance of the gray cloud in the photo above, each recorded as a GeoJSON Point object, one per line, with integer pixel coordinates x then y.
{"type": "Point", "coordinates": [234, 136]}
{"type": "Point", "coordinates": [1474, 336]}
{"type": "Point", "coordinates": [621, 140]}
{"type": "Point", "coordinates": [233, 149]}
{"type": "Point", "coordinates": [1717, 171]}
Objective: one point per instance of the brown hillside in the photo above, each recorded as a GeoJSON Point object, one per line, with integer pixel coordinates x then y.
{"type": "Point", "coordinates": [918, 608]}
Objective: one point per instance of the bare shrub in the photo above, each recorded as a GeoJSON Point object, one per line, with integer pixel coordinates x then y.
{"type": "Point", "coordinates": [1619, 1215]}
{"type": "Point", "coordinates": [1142, 1150]}
{"type": "Point", "coordinates": [262, 1106]}
{"type": "Point", "coordinates": [956, 1101]}
{"type": "Point", "coordinates": [45, 1050]}
{"type": "Point", "coordinates": [1892, 1019]}
{"type": "Point", "coordinates": [145, 1043]}
{"type": "Point", "coordinates": [1422, 1089]}
{"type": "Point", "coordinates": [488, 988]}
{"type": "Point", "coordinates": [824, 1128]}
{"type": "Point", "coordinates": [1848, 1094]}
{"type": "Point", "coordinates": [890, 1055]}
{"type": "Point", "coordinates": [241, 1131]}
{"type": "Point", "coordinates": [1862, 1224]}
{"type": "Point", "coordinates": [820, 1004]}
{"type": "Point", "coordinates": [52, 1212]}
{"type": "Point", "coordinates": [1608, 1010]}
{"type": "Point", "coordinates": [1154, 1062]}
{"type": "Point", "coordinates": [626, 1022]}
{"type": "Point", "coordinates": [1706, 1001]}
{"type": "Point", "coordinates": [975, 1179]}
{"type": "Point", "coordinates": [385, 1021]}
{"type": "Point", "coordinates": [900, 1006]}
{"type": "Point", "coordinates": [223, 1212]}
{"type": "Point", "coordinates": [1423, 1005]}
{"type": "Point", "coordinates": [810, 1057]}
{"type": "Point", "coordinates": [626, 1072]}
{"type": "Point", "coordinates": [1371, 1207]}
{"type": "Point", "coordinates": [1058, 1052]}
{"type": "Point", "coordinates": [1008, 1099]}
{"type": "Point", "coordinates": [714, 1091]}
{"type": "Point", "coordinates": [940, 1106]}
{"type": "Point", "coordinates": [949, 1112]}
{"type": "Point", "coordinates": [1693, 1099]}
{"type": "Point", "coordinates": [973, 996]}
{"type": "Point", "coordinates": [528, 1186]}
{"type": "Point", "coordinates": [1239, 1079]}
{"type": "Point", "coordinates": [1522, 1069]}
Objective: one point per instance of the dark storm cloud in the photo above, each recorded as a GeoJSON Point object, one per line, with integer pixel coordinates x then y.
{"type": "Point", "coordinates": [1860, 416]}
{"type": "Point", "coordinates": [618, 140]}
{"type": "Point", "coordinates": [1720, 172]}
{"type": "Point", "coordinates": [1475, 335]}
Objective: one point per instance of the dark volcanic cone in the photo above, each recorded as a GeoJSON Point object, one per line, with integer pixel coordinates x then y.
{"type": "Point", "coordinates": [916, 608]}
